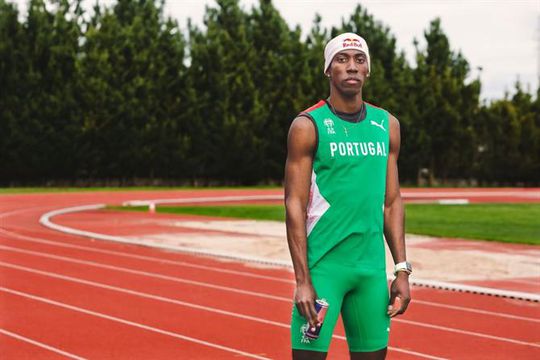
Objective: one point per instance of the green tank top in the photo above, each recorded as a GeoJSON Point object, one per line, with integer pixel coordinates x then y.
{"type": "Point", "coordinates": [348, 186]}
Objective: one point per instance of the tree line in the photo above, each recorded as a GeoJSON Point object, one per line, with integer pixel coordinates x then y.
{"type": "Point", "coordinates": [123, 95]}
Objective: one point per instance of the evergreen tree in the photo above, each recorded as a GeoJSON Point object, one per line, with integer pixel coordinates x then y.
{"type": "Point", "coordinates": [444, 107]}
{"type": "Point", "coordinates": [276, 70]}
{"type": "Point", "coordinates": [229, 119]}
{"type": "Point", "coordinates": [122, 95]}
{"type": "Point", "coordinates": [134, 94]}
{"type": "Point", "coordinates": [12, 73]}
{"type": "Point", "coordinates": [42, 112]}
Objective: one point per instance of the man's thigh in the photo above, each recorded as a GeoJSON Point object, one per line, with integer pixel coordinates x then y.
{"type": "Point", "coordinates": [364, 313]}
{"type": "Point", "coordinates": [330, 285]}
{"type": "Point", "coordinates": [372, 355]}
{"type": "Point", "coordinates": [308, 355]}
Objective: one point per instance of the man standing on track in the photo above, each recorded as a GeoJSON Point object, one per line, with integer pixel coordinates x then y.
{"type": "Point", "coordinates": [341, 195]}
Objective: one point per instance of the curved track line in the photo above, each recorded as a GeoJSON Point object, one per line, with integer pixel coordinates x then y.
{"type": "Point", "coordinates": [477, 311]}
{"type": "Point", "coordinates": [471, 333]}
{"type": "Point", "coordinates": [226, 288]}
{"type": "Point", "coordinates": [45, 220]}
{"type": "Point", "coordinates": [130, 323]}
{"type": "Point", "coordinates": [242, 273]}
{"type": "Point", "coordinates": [202, 200]}
{"type": "Point", "coordinates": [148, 274]}
{"type": "Point", "coordinates": [143, 257]}
{"type": "Point", "coordinates": [142, 294]}
{"type": "Point", "coordinates": [40, 344]}
{"type": "Point", "coordinates": [182, 303]}
{"type": "Point", "coordinates": [18, 211]}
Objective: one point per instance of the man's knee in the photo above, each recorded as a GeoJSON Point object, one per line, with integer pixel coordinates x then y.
{"type": "Point", "coordinates": [372, 355]}
{"type": "Point", "coordinates": [308, 355]}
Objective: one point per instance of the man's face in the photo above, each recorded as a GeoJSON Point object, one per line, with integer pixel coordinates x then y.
{"type": "Point", "coordinates": [348, 72]}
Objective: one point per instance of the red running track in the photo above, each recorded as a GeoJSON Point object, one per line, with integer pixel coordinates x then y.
{"type": "Point", "coordinates": [68, 297]}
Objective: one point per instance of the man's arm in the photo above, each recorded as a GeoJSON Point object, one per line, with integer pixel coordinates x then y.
{"type": "Point", "coordinates": [301, 143]}
{"type": "Point", "coordinates": [394, 220]}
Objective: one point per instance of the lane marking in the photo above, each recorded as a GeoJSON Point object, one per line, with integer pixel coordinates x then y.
{"type": "Point", "coordinates": [19, 210]}
{"type": "Point", "coordinates": [471, 333]}
{"type": "Point", "coordinates": [536, 283]}
{"type": "Point", "coordinates": [147, 258]}
{"type": "Point", "coordinates": [253, 293]}
{"type": "Point", "coordinates": [178, 302]}
{"type": "Point", "coordinates": [45, 220]}
{"type": "Point", "coordinates": [476, 311]}
{"type": "Point", "coordinates": [469, 194]}
{"type": "Point", "coordinates": [40, 344]}
{"type": "Point", "coordinates": [147, 274]}
{"type": "Point", "coordinates": [203, 200]}
{"type": "Point", "coordinates": [219, 270]}
{"type": "Point", "coordinates": [138, 293]}
{"type": "Point", "coordinates": [404, 193]}
{"type": "Point", "coordinates": [130, 323]}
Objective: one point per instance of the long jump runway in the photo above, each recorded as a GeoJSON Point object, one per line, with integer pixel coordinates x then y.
{"type": "Point", "coordinates": [65, 296]}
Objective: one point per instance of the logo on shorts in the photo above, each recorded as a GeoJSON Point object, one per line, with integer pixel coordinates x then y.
{"type": "Point", "coordinates": [303, 329]}
{"type": "Point", "coordinates": [329, 123]}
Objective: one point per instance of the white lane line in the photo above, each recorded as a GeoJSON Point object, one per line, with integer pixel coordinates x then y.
{"type": "Point", "coordinates": [40, 344]}
{"type": "Point", "coordinates": [476, 311]}
{"type": "Point", "coordinates": [178, 302]}
{"type": "Point", "coordinates": [45, 220]}
{"type": "Point", "coordinates": [138, 293]}
{"type": "Point", "coordinates": [528, 282]}
{"type": "Point", "coordinates": [471, 333]}
{"type": "Point", "coordinates": [404, 193]}
{"type": "Point", "coordinates": [465, 194]}
{"type": "Point", "coordinates": [146, 258]}
{"type": "Point", "coordinates": [147, 274]}
{"type": "Point", "coordinates": [203, 199]}
{"type": "Point", "coordinates": [244, 292]}
{"type": "Point", "coordinates": [130, 323]}
{"type": "Point", "coordinates": [18, 211]}
{"type": "Point", "coordinates": [243, 273]}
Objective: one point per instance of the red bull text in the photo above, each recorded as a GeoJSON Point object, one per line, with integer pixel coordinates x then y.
{"type": "Point", "coordinates": [321, 306]}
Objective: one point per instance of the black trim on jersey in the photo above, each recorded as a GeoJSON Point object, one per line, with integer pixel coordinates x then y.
{"type": "Point", "coordinates": [305, 114]}
{"type": "Point", "coordinates": [349, 117]}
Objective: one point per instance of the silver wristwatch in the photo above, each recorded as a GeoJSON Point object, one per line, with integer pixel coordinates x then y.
{"type": "Point", "coordinates": [404, 266]}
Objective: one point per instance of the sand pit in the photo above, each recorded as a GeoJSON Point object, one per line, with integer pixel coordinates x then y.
{"type": "Point", "coordinates": [432, 258]}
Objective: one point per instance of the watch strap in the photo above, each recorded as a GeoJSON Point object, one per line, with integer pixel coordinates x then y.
{"type": "Point", "coordinates": [404, 266]}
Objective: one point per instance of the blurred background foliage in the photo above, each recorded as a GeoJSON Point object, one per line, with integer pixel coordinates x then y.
{"type": "Point", "coordinates": [121, 96]}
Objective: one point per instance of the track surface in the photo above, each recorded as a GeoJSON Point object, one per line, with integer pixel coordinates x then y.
{"type": "Point", "coordinates": [63, 296]}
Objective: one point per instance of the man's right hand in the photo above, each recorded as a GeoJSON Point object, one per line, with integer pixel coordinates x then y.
{"type": "Point", "coordinates": [304, 298]}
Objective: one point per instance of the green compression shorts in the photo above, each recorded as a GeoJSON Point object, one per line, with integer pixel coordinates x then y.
{"type": "Point", "coordinates": [359, 293]}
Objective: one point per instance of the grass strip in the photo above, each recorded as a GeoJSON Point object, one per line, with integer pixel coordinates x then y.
{"type": "Point", "coordinates": [513, 223]}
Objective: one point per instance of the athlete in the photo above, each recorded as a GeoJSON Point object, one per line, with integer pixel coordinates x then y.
{"type": "Point", "coordinates": [342, 195]}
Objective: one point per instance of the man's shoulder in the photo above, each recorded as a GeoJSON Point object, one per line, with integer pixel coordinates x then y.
{"type": "Point", "coordinates": [391, 117]}
{"type": "Point", "coordinates": [302, 122]}
{"type": "Point", "coordinates": [314, 107]}
{"type": "Point", "coordinates": [375, 107]}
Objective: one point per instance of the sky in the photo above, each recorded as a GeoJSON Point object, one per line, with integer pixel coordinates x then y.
{"type": "Point", "coordinates": [499, 38]}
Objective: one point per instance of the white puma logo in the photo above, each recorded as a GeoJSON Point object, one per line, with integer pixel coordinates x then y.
{"type": "Point", "coordinates": [379, 125]}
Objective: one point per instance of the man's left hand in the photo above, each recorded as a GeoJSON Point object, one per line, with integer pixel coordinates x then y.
{"type": "Point", "coordinates": [400, 296]}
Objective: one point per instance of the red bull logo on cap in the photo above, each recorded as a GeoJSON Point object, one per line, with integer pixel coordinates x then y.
{"type": "Point", "coordinates": [351, 43]}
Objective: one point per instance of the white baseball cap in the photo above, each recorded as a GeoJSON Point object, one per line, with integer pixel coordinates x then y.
{"type": "Point", "coordinates": [345, 41]}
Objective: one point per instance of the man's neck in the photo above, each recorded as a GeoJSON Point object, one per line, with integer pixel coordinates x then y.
{"type": "Point", "coordinates": [348, 105]}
